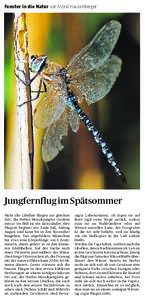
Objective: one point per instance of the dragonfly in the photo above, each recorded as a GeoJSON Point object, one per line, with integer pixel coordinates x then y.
{"type": "Point", "coordinates": [88, 76]}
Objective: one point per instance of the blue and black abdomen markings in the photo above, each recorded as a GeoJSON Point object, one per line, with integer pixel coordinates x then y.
{"type": "Point", "coordinates": [96, 135]}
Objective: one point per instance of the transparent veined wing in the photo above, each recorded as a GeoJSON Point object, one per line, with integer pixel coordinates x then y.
{"type": "Point", "coordinates": [52, 105]}
{"type": "Point", "coordinates": [95, 84]}
{"type": "Point", "coordinates": [96, 52]}
{"type": "Point", "coordinates": [73, 120]}
{"type": "Point", "coordinates": [51, 144]}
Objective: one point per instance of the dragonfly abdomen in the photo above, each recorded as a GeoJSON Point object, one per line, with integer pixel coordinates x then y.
{"type": "Point", "coordinates": [96, 135]}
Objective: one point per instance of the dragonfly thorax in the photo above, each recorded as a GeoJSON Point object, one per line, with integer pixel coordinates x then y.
{"type": "Point", "coordinates": [63, 73]}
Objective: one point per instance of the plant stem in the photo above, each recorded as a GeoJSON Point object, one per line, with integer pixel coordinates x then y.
{"type": "Point", "coordinates": [25, 123]}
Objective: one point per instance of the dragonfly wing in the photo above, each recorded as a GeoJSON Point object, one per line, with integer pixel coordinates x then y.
{"type": "Point", "coordinates": [74, 120]}
{"type": "Point", "coordinates": [51, 144]}
{"type": "Point", "coordinates": [96, 52]}
{"type": "Point", "coordinates": [96, 84]}
{"type": "Point", "coordinates": [50, 107]}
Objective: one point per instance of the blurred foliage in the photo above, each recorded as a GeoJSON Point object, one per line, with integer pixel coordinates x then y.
{"type": "Point", "coordinates": [80, 164]}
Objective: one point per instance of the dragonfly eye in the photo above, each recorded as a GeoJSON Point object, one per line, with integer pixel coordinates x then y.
{"type": "Point", "coordinates": [33, 58]}
{"type": "Point", "coordinates": [37, 63]}
{"type": "Point", "coordinates": [32, 61]}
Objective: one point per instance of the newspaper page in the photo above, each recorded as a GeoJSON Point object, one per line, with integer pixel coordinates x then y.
{"type": "Point", "coordinates": [72, 167]}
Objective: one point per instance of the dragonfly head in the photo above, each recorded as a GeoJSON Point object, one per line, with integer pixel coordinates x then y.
{"type": "Point", "coordinates": [37, 63]}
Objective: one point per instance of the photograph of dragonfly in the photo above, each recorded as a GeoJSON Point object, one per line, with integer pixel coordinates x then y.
{"type": "Point", "coordinates": [63, 90]}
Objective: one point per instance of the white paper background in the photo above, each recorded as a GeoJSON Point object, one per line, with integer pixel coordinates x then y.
{"type": "Point", "coordinates": [133, 200]}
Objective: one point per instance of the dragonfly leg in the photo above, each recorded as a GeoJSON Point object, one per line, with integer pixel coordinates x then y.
{"type": "Point", "coordinates": [26, 83]}
{"type": "Point", "coordinates": [39, 90]}
{"type": "Point", "coordinates": [38, 93]}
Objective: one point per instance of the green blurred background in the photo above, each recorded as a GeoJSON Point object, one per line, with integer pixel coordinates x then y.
{"type": "Point", "coordinates": [117, 116]}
